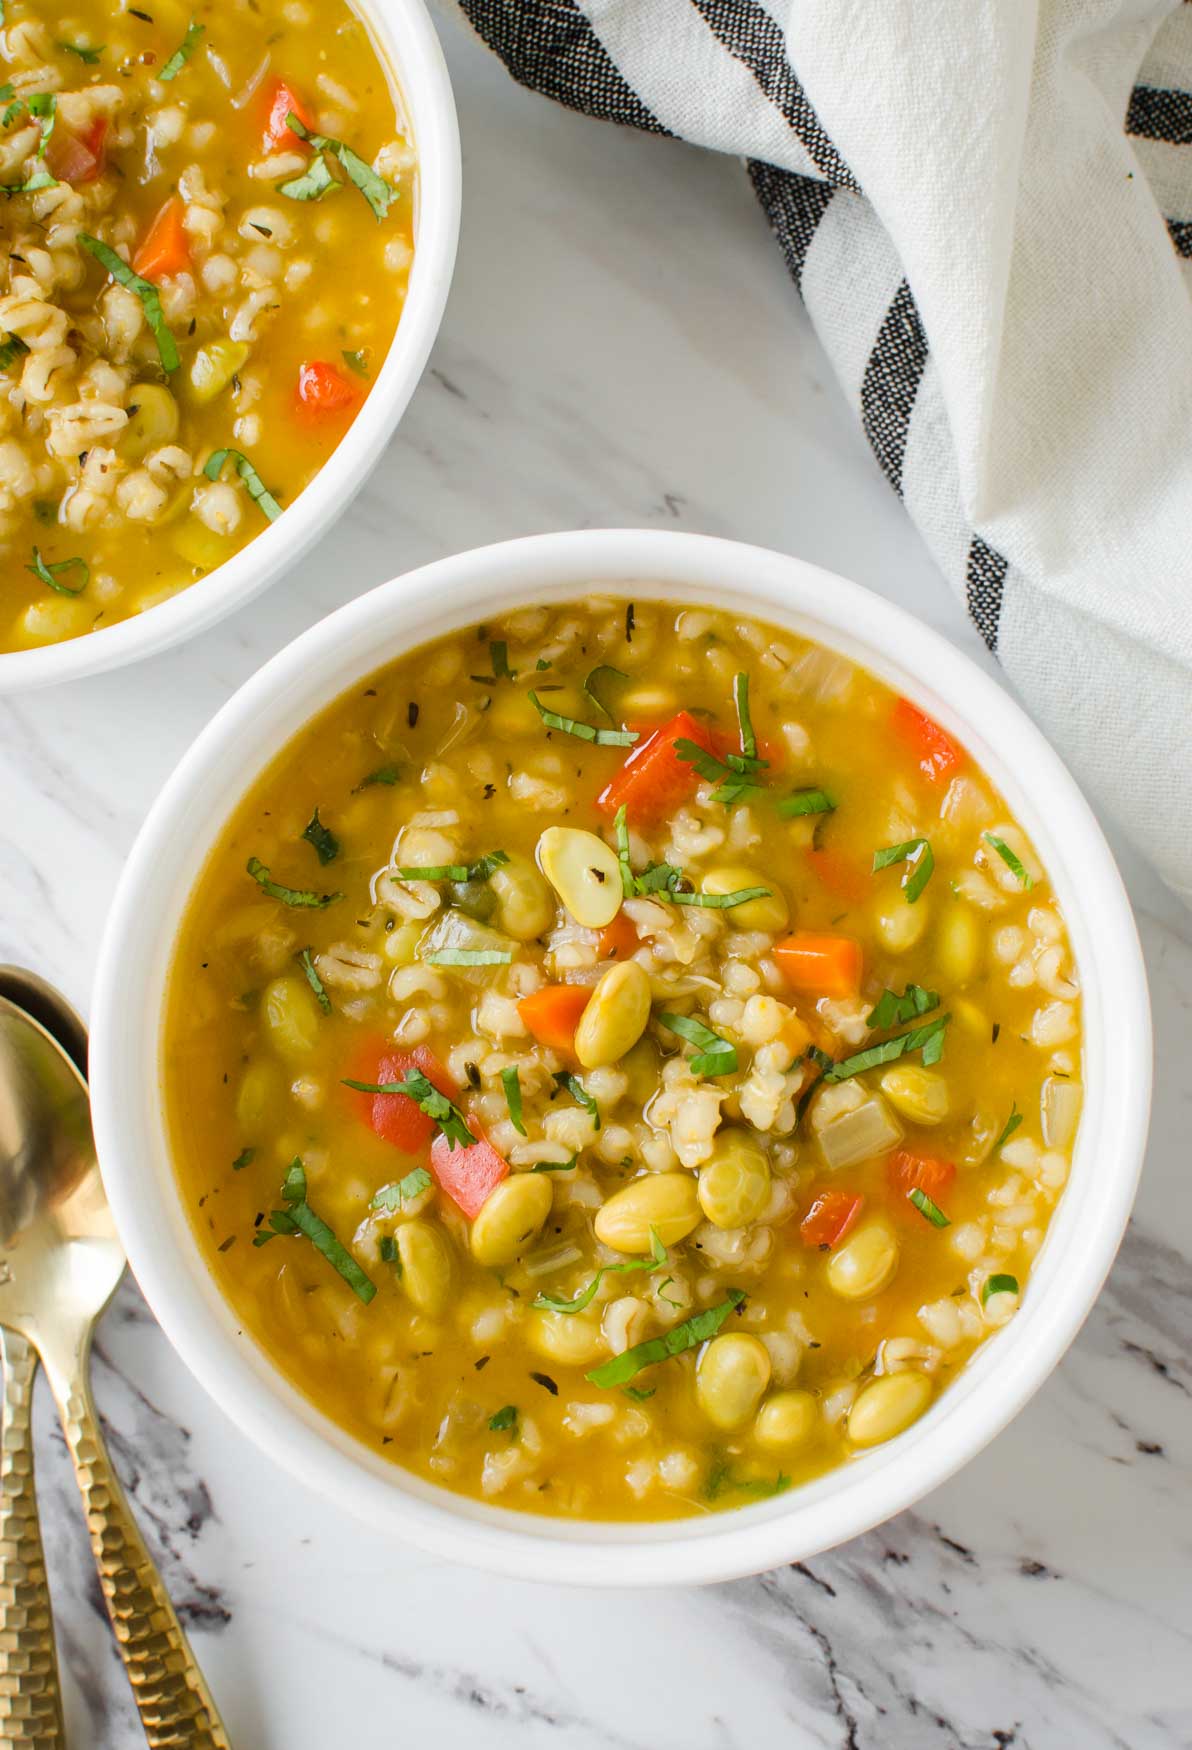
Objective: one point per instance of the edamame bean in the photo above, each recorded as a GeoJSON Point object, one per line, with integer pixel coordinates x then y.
{"type": "Point", "coordinates": [666, 1202]}
{"type": "Point", "coordinates": [733, 1372]}
{"type": "Point", "coordinates": [615, 1017]}
{"type": "Point", "coordinates": [426, 1265]}
{"type": "Point", "coordinates": [525, 904]}
{"type": "Point", "coordinates": [786, 1420]}
{"type": "Point", "coordinates": [584, 872]}
{"type": "Point", "coordinates": [735, 1183]}
{"type": "Point", "coordinates": [512, 1214]}
{"type": "Point", "coordinates": [291, 1015]}
{"type": "Point", "coordinates": [887, 1407]}
{"type": "Point", "coordinates": [152, 420]}
{"type": "Point", "coordinates": [575, 1339]}
{"type": "Point", "coordinates": [865, 1262]}
{"type": "Point", "coordinates": [771, 913]}
{"type": "Point", "coordinates": [919, 1094]}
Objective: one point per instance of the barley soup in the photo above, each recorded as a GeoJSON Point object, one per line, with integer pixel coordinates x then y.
{"type": "Point", "coordinates": [622, 1062]}
{"type": "Point", "coordinates": [181, 347]}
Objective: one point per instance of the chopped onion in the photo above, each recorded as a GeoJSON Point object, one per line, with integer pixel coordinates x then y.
{"type": "Point", "coordinates": [1060, 1104]}
{"type": "Point", "coordinates": [859, 1135]}
{"type": "Point", "coordinates": [553, 1258]}
{"type": "Point", "coordinates": [455, 929]}
{"type": "Point", "coordinates": [246, 91]}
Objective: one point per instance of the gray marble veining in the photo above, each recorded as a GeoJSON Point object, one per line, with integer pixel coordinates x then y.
{"type": "Point", "coordinates": [621, 346]}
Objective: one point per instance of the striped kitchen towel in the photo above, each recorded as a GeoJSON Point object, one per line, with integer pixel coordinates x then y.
{"type": "Point", "coordinates": [987, 208]}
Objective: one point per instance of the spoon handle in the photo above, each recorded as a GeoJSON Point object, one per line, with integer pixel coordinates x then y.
{"type": "Point", "coordinates": [175, 1705]}
{"type": "Point", "coordinates": [30, 1705]}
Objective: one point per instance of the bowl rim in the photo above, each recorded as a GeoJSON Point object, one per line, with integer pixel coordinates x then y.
{"type": "Point", "coordinates": [357, 639]}
{"type": "Point", "coordinates": [407, 40]}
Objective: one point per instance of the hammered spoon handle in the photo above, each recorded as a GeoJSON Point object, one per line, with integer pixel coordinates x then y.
{"type": "Point", "coordinates": [30, 1702]}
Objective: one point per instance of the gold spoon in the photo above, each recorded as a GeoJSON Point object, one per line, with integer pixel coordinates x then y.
{"type": "Point", "coordinates": [60, 1262]}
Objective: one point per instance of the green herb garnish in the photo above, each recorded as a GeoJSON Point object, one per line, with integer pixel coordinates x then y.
{"type": "Point", "coordinates": [296, 896]}
{"type": "Point", "coordinates": [374, 188]}
{"type": "Point", "coordinates": [312, 184]}
{"type": "Point", "coordinates": [554, 1303]}
{"type": "Point", "coordinates": [639, 1394]}
{"type": "Point", "coordinates": [555, 1166]}
{"type": "Point", "coordinates": [585, 731]}
{"type": "Point", "coordinates": [1011, 1125]}
{"type": "Point", "coordinates": [12, 347]}
{"type": "Point", "coordinates": [356, 361]}
{"type": "Point", "coordinates": [257, 491]}
{"type": "Point", "coordinates": [89, 57]}
{"type": "Point", "coordinates": [481, 870]}
{"type": "Point", "coordinates": [998, 1285]}
{"type": "Point", "coordinates": [402, 1191]}
{"type": "Point", "coordinates": [811, 801]}
{"type": "Point", "coordinates": [468, 957]}
{"type": "Point", "coordinates": [415, 1086]}
{"type": "Point", "coordinates": [184, 51]}
{"type": "Point", "coordinates": [823, 1063]}
{"type": "Point", "coordinates": [576, 1089]}
{"type": "Point", "coordinates": [595, 683]}
{"type": "Point", "coordinates": [735, 777]}
{"type": "Point", "coordinates": [688, 1335]}
{"type": "Point", "coordinates": [243, 1159]}
{"type": "Point", "coordinates": [306, 961]}
{"type": "Point", "coordinates": [50, 574]}
{"type": "Point", "coordinates": [717, 901]}
{"type": "Point", "coordinates": [714, 1056]}
{"type": "Point", "coordinates": [167, 349]}
{"type": "Point", "coordinates": [722, 1481]}
{"type": "Point", "coordinates": [511, 1082]}
{"type": "Point", "coordinates": [43, 107]}
{"type": "Point", "coordinates": [891, 1010]}
{"type": "Point", "coordinates": [383, 775]}
{"type": "Point", "coordinates": [929, 1039]}
{"type": "Point", "coordinates": [1012, 862]}
{"type": "Point", "coordinates": [299, 1217]}
{"type": "Point", "coordinates": [325, 843]}
{"type": "Point", "coordinates": [926, 1207]}
{"type": "Point", "coordinates": [505, 1420]}
{"type": "Point", "coordinates": [919, 855]}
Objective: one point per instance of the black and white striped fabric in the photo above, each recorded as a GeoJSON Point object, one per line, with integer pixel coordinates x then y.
{"type": "Point", "coordinates": [987, 209]}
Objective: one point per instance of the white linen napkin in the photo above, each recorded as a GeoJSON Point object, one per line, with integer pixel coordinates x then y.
{"type": "Point", "coordinates": [987, 208]}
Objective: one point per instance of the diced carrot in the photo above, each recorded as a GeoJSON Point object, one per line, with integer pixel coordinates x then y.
{"type": "Point", "coordinates": [936, 754]}
{"type": "Point", "coordinates": [279, 100]}
{"type": "Point", "coordinates": [468, 1175]}
{"type": "Point", "coordinates": [394, 1117]}
{"type": "Point", "coordinates": [323, 392]}
{"type": "Point", "coordinates": [655, 779]}
{"type": "Point", "coordinates": [830, 1217]}
{"type": "Point", "coordinates": [552, 1013]}
{"type": "Point", "coordinates": [618, 939]}
{"type": "Point", "coordinates": [823, 966]}
{"type": "Point", "coordinates": [77, 158]}
{"type": "Point", "coordinates": [838, 874]}
{"type": "Point", "coordinates": [165, 249]}
{"type": "Point", "coordinates": [909, 1172]}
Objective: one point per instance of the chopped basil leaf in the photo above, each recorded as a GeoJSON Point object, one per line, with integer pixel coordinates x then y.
{"type": "Point", "coordinates": [729, 775]}
{"type": "Point", "coordinates": [356, 361]}
{"type": "Point", "coordinates": [257, 491]}
{"type": "Point", "coordinates": [382, 775]}
{"type": "Point", "coordinates": [243, 1159]}
{"type": "Point", "coordinates": [721, 1481]}
{"type": "Point", "coordinates": [43, 107]}
{"type": "Point", "coordinates": [823, 1063]}
{"type": "Point", "coordinates": [374, 188]}
{"type": "Point", "coordinates": [1012, 1123]}
{"type": "Point", "coordinates": [184, 51]}
{"type": "Point", "coordinates": [718, 901]}
{"type": "Point", "coordinates": [307, 964]}
{"type": "Point", "coordinates": [546, 1382]}
{"type": "Point", "coordinates": [499, 651]}
{"type": "Point", "coordinates": [402, 1191]}
{"type": "Point", "coordinates": [576, 1089]}
{"type": "Point", "coordinates": [715, 1056]}
{"type": "Point", "coordinates": [806, 802]}
{"type": "Point", "coordinates": [926, 1207]}
{"type": "Point", "coordinates": [504, 1420]}
{"type": "Point", "coordinates": [916, 852]}
{"type": "Point", "coordinates": [744, 721]}
{"type": "Point", "coordinates": [688, 1335]}
{"type": "Point", "coordinates": [89, 57]}
{"type": "Point", "coordinates": [387, 1251]}
{"type": "Point", "coordinates": [415, 1086]}
{"type": "Point", "coordinates": [296, 896]}
{"type": "Point", "coordinates": [468, 957]}
{"type": "Point", "coordinates": [337, 1255]}
{"type": "Point", "coordinates": [167, 349]}
{"type": "Point", "coordinates": [998, 1285]}
{"type": "Point", "coordinates": [891, 1010]}
{"type": "Point", "coordinates": [49, 574]}
{"type": "Point", "coordinates": [596, 683]}
{"type": "Point", "coordinates": [293, 1187]}
{"type": "Point", "coordinates": [325, 843]}
{"type": "Point", "coordinates": [481, 870]}
{"type": "Point", "coordinates": [621, 828]}
{"type": "Point", "coordinates": [312, 184]}
{"type": "Point", "coordinates": [639, 1394]}
{"type": "Point", "coordinates": [1012, 862]}
{"type": "Point", "coordinates": [928, 1039]}
{"type": "Point", "coordinates": [555, 1166]}
{"type": "Point", "coordinates": [554, 1303]}
{"type": "Point", "coordinates": [584, 731]}
{"type": "Point", "coordinates": [511, 1082]}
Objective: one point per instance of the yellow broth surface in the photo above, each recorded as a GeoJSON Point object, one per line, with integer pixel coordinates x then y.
{"type": "Point", "coordinates": [182, 274]}
{"type": "Point", "coordinates": [736, 1187]}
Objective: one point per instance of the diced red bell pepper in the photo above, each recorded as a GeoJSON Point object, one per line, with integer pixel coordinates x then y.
{"type": "Point", "coordinates": [910, 1172]}
{"type": "Point", "coordinates": [394, 1117]}
{"type": "Point", "coordinates": [936, 754]}
{"type": "Point", "coordinates": [77, 158]}
{"type": "Point", "coordinates": [323, 392]}
{"type": "Point", "coordinates": [830, 1217]}
{"type": "Point", "coordinates": [619, 939]}
{"type": "Point", "coordinates": [279, 100]}
{"type": "Point", "coordinates": [839, 874]}
{"type": "Point", "coordinates": [655, 779]}
{"type": "Point", "coordinates": [468, 1175]}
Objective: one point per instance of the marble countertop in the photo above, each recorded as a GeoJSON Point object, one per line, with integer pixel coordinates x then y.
{"type": "Point", "coordinates": [622, 347]}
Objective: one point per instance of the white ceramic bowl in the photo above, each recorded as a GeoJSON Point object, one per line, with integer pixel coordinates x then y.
{"type": "Point", "coordinates": [274, 706]}
{"type": "Point", "coordinates": [408, 44]}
